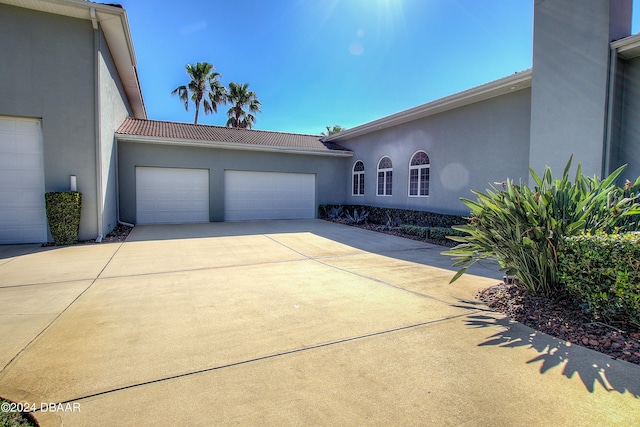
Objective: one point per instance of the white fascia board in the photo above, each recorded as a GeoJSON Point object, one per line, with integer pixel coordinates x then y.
{"type": "Point", "coordinates": [118, 35]}
{"type": "Point", "coordinates": [628, 47]}
{"type": "Point", "coordinates": [229, 146]}
{"type": "Point", "coordinates": [513, 83]}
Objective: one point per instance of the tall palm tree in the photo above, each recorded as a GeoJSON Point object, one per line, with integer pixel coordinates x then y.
{"type": "Point", "coordinates": [241, 97]}
{"type": "Point", "coordinates": [204, 84]}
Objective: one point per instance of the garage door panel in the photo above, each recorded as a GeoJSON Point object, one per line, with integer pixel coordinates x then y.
{"type": "Point", "coordinates": [13, 234]}
{"type": "Point", "coordinates": [171, 195]}
{"type": "Point", "coordinates": [251, 195]}
{"type": "Point", "coordinates": [22, 215]}
{"type": "Point", "coordinates": [8, 216]}
{"type": "Point", "coordinates": [28, 199]}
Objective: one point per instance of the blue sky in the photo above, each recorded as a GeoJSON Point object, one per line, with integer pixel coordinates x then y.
{"type": "Point", "coordinates": [314, 63]}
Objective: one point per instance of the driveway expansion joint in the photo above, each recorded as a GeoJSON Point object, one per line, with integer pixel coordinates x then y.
{"type": "Point", "coordinates": [363, 276]}
{"type": "Point", "coordinates": [47, 326]}
{"type": "Point", "coordinates": [272, 356]}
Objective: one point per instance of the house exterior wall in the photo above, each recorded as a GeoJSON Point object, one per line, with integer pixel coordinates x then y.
{"type": "Point", "coordinates": [113, 109]}
{"type": "Point", "coordinates": [47, 72]}
{"type": "Point", "coordinates": [468, 148]}
{"type": "Point", "coordinates": [570, 80]}
{"type": "Point", "coordinates": [329, 171]}
{"type": "Point", "coordinates": [627, 148]}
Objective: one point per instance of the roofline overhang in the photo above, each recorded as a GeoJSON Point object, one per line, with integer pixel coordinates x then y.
{"type": "Point", "coordinates": [115, 27]}
{"type": "Point", "coordinates": [628, 47]}
{"type": "Point", "coordinates": [229, 145]}
{"type": "Point", "coordinates": [513, 83]}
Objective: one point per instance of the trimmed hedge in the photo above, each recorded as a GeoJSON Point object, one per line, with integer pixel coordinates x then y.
{"type": "Point", "coordinates": [378, 215]}
{"type": "Point", "coordinates": [432, 233]}
{"type": "Point", "coordinates": [63, 214]}
{"type": "Point", "coordinates": [415, 230]}
{"type": "Point", "coordinates": [603, 272]}
{"type": "Point", "coordinates": [443, 233]}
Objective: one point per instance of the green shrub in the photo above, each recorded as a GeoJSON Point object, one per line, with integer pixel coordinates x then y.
{"type": "Point", "coordinates": [415, 230]}
{"type": "Point", "coordinates": [603, 272]}
{"type": "Point", "coordinates": [441, 234]}
{"type": "Point", "coordinates": [378, 215]}
{"type": "Point", "coordinates": [444, 233]}
{"type": "Point", "coordinates": [522, 226]}
{"type": "Point", "coordinates": [63, 214]}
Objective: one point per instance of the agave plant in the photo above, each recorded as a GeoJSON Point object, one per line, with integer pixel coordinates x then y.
{"type": "Point", "coordinates": [357, 218]}
{"type": "Point", "coordinates": [521, 226]}
{"type": "Point", "coordinates": [335, 212]}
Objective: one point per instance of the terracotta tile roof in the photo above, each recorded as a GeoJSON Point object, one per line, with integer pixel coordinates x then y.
{"type": "Point", "coordinates": [186, 132]}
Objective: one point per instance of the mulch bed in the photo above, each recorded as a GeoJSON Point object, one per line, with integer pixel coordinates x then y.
{"type": "Point", "coordinates": [565, 320]}
{"type": "Point", "coordinates": [119, 234]}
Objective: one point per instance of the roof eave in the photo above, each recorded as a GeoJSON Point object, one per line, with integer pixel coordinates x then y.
{"type": "Point", "coordinates": [513, 83]}
{"type": "Point", "coordinates": [118, 36]}
{"type": "Point", "coordinates": [628, 47]}
{"type": "Point", "coordinates": [229, 145]}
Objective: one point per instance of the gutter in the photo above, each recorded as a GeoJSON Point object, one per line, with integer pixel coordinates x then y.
{"type": "Point", "coordinates": [609, 112]}
{"type": "Point", "coordinates": [97, 124]}
{"type": "Point", "coordinates": [230, 146]}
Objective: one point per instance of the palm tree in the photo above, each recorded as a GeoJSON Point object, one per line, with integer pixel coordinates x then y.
{"type": "Point", "coordinates": [332, 130]}
{"type": "Point", "coordinates": [241, 97]}
{"type": "Point", "coordinates": [204, 81]}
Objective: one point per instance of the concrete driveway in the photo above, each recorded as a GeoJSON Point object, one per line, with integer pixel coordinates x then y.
{"type": "Point", "coordinates": [282, 323]}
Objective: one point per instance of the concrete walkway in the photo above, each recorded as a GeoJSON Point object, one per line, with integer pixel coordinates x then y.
{"type": "Point", "coordinates": [282, 323]}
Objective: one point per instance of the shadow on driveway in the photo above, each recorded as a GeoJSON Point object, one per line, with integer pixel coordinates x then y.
{"type": "Point", "coordinates": [592, 367]}
{"type": "Point", "coordinates": [354, 237]}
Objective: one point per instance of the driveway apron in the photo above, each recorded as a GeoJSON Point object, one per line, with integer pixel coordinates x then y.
{"type": "Point", "coordinates": [300, 322]}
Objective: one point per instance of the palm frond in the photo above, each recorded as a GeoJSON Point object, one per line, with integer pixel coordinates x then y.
{"type": "Point", "coordinates": [203, 81]}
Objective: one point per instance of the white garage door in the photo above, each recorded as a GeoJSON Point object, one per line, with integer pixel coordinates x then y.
{"type": "Point", "coordinates": [268, 195]}
{"type": "Point", "coordinates": [22, 213]}
{"type": "Point", "coordinates": [171, 195]}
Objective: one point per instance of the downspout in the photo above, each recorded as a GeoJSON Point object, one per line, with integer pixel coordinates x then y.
{"type": "Point", "coordinates": [610, 112]}
{"type": "Point", "coordinates": [97, 122]}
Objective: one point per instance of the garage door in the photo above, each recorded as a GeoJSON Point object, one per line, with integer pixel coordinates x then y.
{"type": "Point", "coordinates": [22, 213]}
{"type": "Point", "coordinates": [171, 195]}
{"type": "Point", "coordinates": [268, 195]}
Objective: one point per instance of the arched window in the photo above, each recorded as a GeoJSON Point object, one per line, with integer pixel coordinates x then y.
{"type": "Point", "coordinates": [385, 177]}
{"type": "Point", "coordinates": [358, 178]}
{"type": "Point", "coordinates": [419, 175]}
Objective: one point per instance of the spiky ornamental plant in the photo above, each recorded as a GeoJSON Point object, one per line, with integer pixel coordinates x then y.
{"type": "Point", "coordinates": [522, 226]}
